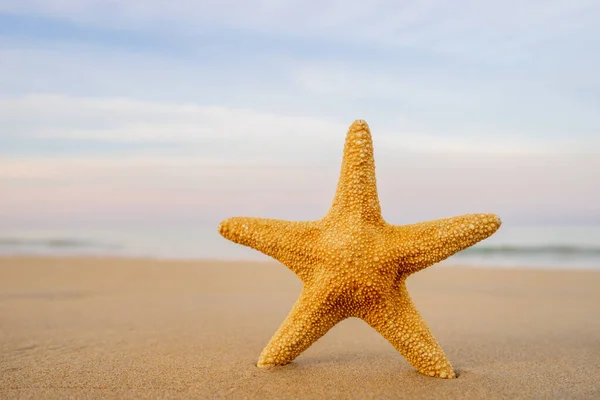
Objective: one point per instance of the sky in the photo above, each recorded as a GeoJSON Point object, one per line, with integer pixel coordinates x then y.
{"type": "Point", "coordinates": [188, 112]}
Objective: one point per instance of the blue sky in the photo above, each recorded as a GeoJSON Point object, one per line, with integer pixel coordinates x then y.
{"type": "Point", "coordinates": [186, 110]}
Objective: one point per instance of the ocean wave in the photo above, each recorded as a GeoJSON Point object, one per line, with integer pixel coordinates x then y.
{"type": "Point", "coordinates": [533, 250]}
{"type": "Point", "coordinates": [65, 243]}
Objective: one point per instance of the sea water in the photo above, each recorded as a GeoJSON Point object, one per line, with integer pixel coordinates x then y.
{"type": "Point", "coordinates": [562, 247]}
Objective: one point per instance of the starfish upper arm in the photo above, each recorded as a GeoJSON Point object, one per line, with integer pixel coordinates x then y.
{"type": "Point", "coordinates": [293, 243]}
{"type": "Point", "coordinates": [423, 244]}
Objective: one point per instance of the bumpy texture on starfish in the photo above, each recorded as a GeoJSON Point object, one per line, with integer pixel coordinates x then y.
{"type": "Point", "coordinates": [354, 264]}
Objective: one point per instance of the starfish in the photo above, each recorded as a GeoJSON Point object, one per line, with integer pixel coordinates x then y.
{"type": "Point", "coordinates": [354, 264]}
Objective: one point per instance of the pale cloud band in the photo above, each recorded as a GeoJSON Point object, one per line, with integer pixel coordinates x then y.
{"type": "Point", "coordinates": [248, 135]}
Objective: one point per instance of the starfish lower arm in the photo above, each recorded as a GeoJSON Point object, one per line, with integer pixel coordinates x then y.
{"type": "Point", "coordinates": [311, 317]}
{"type": "Point", "coordinates": [398, 320]}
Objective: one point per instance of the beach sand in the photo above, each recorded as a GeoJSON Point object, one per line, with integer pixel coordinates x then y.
{"type": "Point", "coordinates": [85, 327]}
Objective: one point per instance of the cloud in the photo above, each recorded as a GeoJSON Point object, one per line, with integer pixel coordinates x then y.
{"type": "Point", "coordinates": [141, 120]}
{"type": "Point", "coordinates": [218, 134]}
{"type": "Point", "coordinates": [496, 26]}
{"type": "Point", "coordinates": [455, 104]}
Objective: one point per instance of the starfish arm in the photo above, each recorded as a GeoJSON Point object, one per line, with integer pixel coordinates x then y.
{"type": "Point", "coordinates": [293, 243]}
{"type": "Point", "coordinates": [423, 244]}
{"type": "Point", "coordinates": [312, 316]}
{"type": "Point", "coordinates": [397, 319]}
{"type": "Point", "coordinates": [356, 195]}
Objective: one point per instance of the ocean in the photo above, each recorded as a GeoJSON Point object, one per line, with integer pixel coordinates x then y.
{"type": "Point", "coordinates": [559, 247]}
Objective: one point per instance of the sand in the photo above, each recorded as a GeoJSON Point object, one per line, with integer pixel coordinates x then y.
{"type": "Point", "coordinates": [114, 328]}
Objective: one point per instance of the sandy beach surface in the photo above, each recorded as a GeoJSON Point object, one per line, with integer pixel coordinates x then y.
{"type": "Point", "coordinates": [114, 328]}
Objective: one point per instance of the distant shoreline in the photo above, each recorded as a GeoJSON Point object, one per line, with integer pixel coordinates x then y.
{"type": "Point", "coordinates": [566, 248]}
{"type": "Point", "coordinates": [446, 264]}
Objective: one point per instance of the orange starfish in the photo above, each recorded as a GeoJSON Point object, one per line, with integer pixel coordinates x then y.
{"type": "Point", "coordinates": [354, 264]}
